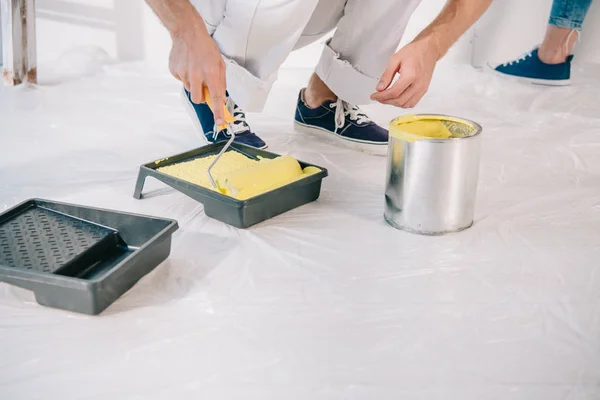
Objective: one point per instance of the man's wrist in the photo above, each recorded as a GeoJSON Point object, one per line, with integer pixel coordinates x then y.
{"type": "Point", "coordinates": [433, 43]}
{"type": "Point", "coordinates": [189, 26]}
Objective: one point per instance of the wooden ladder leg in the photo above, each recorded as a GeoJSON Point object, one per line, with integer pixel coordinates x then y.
{"type": "Point", "coordinates": [18, 41]}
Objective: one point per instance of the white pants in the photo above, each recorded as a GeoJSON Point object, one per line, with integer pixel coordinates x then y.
{"type": "Point", "coordinates": [256, 36]}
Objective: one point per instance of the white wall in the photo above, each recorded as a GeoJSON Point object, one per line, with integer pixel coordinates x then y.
{"type": "Point", "coordinates": [127, 30]}
{"type": "Point", "coordinates": [588, 49]}
{"type": "Point", "coordinates": [500, 39]}
{"type": "Point", "coordinates": [116, 26]}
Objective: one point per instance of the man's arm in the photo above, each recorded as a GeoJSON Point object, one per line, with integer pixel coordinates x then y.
{"type": "Point", "coordinates": [453, 21]}
{"type": "Point", "coordinates": [416, 61]}
{"type": "Point", "coordinates": [177, 15]}
{"type": "Point", "coordinates": [195, 58]}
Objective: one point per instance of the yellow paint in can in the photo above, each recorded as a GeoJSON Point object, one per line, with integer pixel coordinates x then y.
{"type": "Point", "coordinates": [411, 128]}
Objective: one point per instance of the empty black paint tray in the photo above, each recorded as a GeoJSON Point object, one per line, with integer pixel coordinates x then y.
{"type": "Point", "coordinates": [79, 258]}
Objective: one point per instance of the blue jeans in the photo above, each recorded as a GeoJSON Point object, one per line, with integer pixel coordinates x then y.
{"type": "Point", "coordinates": [569, 13]}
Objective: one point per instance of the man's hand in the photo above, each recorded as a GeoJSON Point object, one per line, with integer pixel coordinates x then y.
{"type": "Point", "coordinates": [195, 58]}
{"type": "Point", "coordinates": [415, 64]}
{"type": "Point", "coordinates": [196, 61]}
{"type": "Point", "coordinates": [416, 61]}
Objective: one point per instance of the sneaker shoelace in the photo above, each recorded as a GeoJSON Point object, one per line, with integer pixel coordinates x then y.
{"type": "Point", "coordinates": [240, 126]}
{"type": "Point", "coordinates": [518, 60]}
{"type": "Point", "coordinates": [343, 109]}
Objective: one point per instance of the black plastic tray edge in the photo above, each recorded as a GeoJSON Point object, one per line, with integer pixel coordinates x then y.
{"type": "Point", "coordinates": [30, 280]}
{"type": "Point", "coordinates": [149, 169]}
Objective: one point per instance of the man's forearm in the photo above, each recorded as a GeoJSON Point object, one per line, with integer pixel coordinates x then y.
{"type": "Point", "coordinates": [455, 18]}
{"type": "Point", "coordinates": [177, 15]}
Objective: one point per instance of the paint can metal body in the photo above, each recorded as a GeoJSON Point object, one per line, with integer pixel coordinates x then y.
{"type": "Point", "coordinates": [431, 184]}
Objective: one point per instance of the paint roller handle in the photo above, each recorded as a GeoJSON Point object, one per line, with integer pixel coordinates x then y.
{"type": "Point", "coordinates": [228, 118]}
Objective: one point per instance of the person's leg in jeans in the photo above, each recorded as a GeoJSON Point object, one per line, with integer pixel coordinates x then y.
{"type": "Point", "coordinates": [564, 25]}
{"type": "Point", "coordinates": [368, 34]}
{"type": "Point", "coordinates": [551, 62]}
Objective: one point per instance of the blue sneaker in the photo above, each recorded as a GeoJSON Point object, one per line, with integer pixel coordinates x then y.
{"type": "Point", "coordinates": [341, 122]}
{"type": "Point", "coordinates": [205, 123]}
{"type": "Point", "coordinates": [530, 68]}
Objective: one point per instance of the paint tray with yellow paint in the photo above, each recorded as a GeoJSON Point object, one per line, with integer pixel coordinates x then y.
{"type": "Point", "coordinates": [252, 185]}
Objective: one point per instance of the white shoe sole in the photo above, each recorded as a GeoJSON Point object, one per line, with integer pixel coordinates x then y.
{"type": "Point", "coordinates": [532, 81]}
{"type": "Point", "coordinates": [189, 108]}
{"type": "Point", "coordinates": [354, 144]}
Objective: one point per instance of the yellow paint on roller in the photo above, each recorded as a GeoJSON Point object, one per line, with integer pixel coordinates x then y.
{"type": "Point", "coordinates": [411, 128]}
{"type": "Point", "coordinates": [262, 177]}
{"type": "Point", "coordinates": [311, 171]}
{"type": "Point", "coordinates": [239, 176]}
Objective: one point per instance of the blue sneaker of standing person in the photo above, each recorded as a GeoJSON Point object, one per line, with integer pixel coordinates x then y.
{"type": "Point", "coordinates": [530, 68]}
{"type": "Point", "coordinates": [205, 122]}
{"type": "Point", "coordinates": [342, 122]}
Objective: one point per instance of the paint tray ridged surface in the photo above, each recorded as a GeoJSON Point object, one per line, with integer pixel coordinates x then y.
{"type": "Point", "coordinates": [79, 258]}
{"type": "Point", "coordinates": [235, 212]}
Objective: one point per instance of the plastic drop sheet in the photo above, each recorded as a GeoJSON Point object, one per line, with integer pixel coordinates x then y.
{"type": "Point", "coordinates": [326, 301]}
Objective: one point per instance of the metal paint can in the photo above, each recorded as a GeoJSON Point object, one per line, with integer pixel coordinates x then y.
{"type": "Point", "coordinates": [431, 182]}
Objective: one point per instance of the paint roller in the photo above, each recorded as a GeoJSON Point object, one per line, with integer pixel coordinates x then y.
{"type": "Point", "coordinates": [267, 175]}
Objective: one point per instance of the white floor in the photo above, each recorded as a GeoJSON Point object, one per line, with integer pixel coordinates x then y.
{"type": "Point", "coordinates": [327, 301]}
